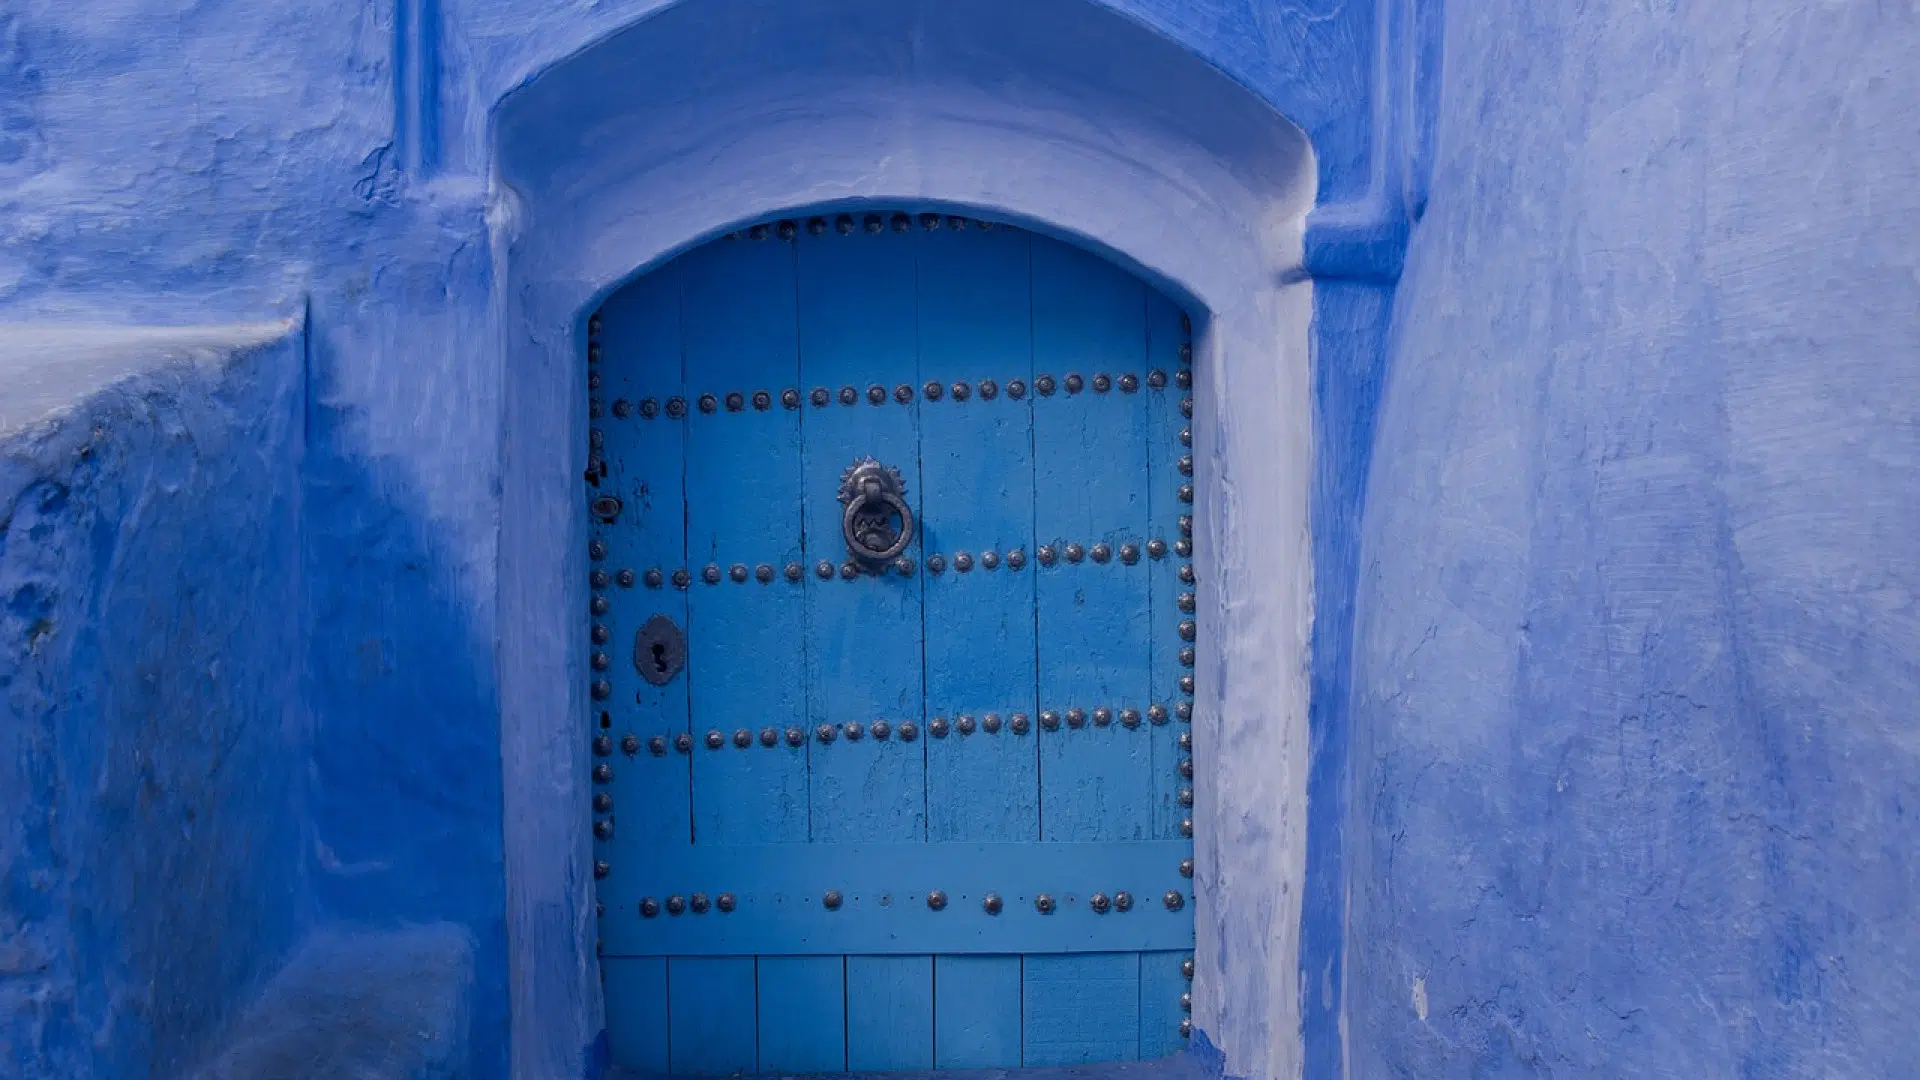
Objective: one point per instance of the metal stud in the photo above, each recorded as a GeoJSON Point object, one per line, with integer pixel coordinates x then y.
{"type": "Point", "coordinates": [901, 223]}
{"type": "Point", "coordinates": [598, 605]}
{"type": "Point", "coordinates": [700, 903]}
{"type": "Point", "coordinates": [683, 742]}
{"type": "Point", "coordinates": [736, 401]}
{"type": "Point", "coordinates": [831, 900]}
{"type": "Point", "coordinates": [937, 727]}
{"type": "Point", "coordinates": [1016, 389]}
{"type": "Point", "coordinates": [1184, 710]}
{"type": "Point", "coordinates": [603, 773]}
{"type": "Point", "coordinates": [1076, 717]}
{"type": "Point", "coordinates": [880, 729]}
{"type": "Point", "coordinates": [1049, 720]}
{"type": "Point", "coordinates": [848, 395]}
{"type": "Point", "coordinates": [1043, 386]}
{"type": "Point", "coordinates": [936, 564]}
{"type": "Point", "coordinates": [909, 731]}
{"type": "Point", "coordinates": [1183, 379]}
{"type": "Point", "coordinates": [1185, 740]}
{"type": "Point", "coordinates": [597, 549]}
{"type": "Point", "coordinates": [649, 408]}
{"type": "Point", "coordinates": [603, 745]}
{"type": "Point", "coordinates": [601, 661]}
{"type": "Point", "coordinates": [816, 226]}
{"type": "Point", "coordinates": [715, 740]}
{"type": "Point", "coordinates": [676, 904]}
{"type": "Point", "coordinates": [877, 394]}
{"type": "Point", "coordinates": [1018, 723]}
{"type": "Point", "coordinates": [757, 232]}
{"type": "Point", "coordinates": [930, 221]}
{"type": "Point", "coordinates": [793, 571]}
{"type": "Point", "coordinates": [625, 579]}
{"type": "Point", "coordinates": [963, 724]}
{"type": "Point", "coordinates": [711, 575]}
{"type": "Point", "coordinates": [1074, 382]}
{"type": "Point", "coordinates": [596, 438]}
{"type": "Point", "coordinates": [676, 407]}
{"type": "Point", "coordinates": [1123, 901]}
{"type": "Point", "coordinates": [961, 391]}
{"type": "Point", "coordinates": [1017, 558]}
{"type": "Point", "coordinates": [1043, 904]}
{"type": "Point", "coordinates": [601, 869]}
{"type": "Point", "coordinates": [1099, 903]}
{"type": "Point", "coordinates": [763, 573]}
{"type": "Point", "coordinates": [1186, 1001]}
{"type": "Point", "coordinates": [1186, 687]}
{"type": "Point", "coordinates": [991, 905]}
{"type": "Point", "coordinates": [903, 394]}
{"type": "Point", "coordinates": [989, 559]}
{"type": "Point", "coordinates": [932, 390]}
{"type": "Point", "coordinates": [629, 744]}
{"type": "Point", "coordinates": [849, 570]}
{"type": "Point", "coordinates": [681, 579]}
{"type": "Point", "coordinates": [1187, 630]}
{"type": "Point", "coordinates": [1186, 348]}
{"type": "Point", "coordinates": [1185, 798]}
{"type": "Point", "coordinates": [649, 907]}
{"type": "Point", "coordinates": [843, 224]}
{"type": "Point", "coordinates": [602, 802]}
{"type": "Point", "coordinates": [990, 723]}
{"type": "Point", "coordinates": [657, 745]}
{"type": "Point", "coordinates": [904, 566]}
{"type": "Point", "coordinates": [738, 572]}
{"type": "Point", "coordinates": [593, 323]}
{"type": "Point", "coordinates": [743, 738]}
{"type": "Point", "coordinates": [1075, 553]}
{"type": "Point", "coordinates": [1186, 408]}
{"type": "Point", "coordinates": [762, 401]}
{"type": "Point", "coordinates": [602, 690]}
{"type": "Point", "coordinates": [962, 561]}
{"type": "Point", "coordinates": [853, 731]}
{"type": "Point", "coordinates": [1157, 714]}
{"type": "Point", "coordinates": [1186, 436]}
{"type": "Point", "coordinates": [819, 396]}
{"type": "Point", "coordinates": [1183, 547]}
{"type": "Point", "coordinates": [1174, 900]}
{"type": "Point", "coordinates": [1186, 1028]}
{"type": "Point", "coordinates": [823, 569]}
{"type": "Point", "coordinates": [1157, 379]}
{"type": "Point", "coordinates": [1102, 716]}
{"type": "Point", "coordinates": [790, 398]}
{"type": "Point", "coordinates": [601, 635]}
{"type": "Point", "coordinates": [937, 900]}
{"type": "Point", "coordinates": [825, 733]}
{"type": "Point", "coordinates": [708, 403]}
{"type": "Point", "coordinates": [1185, 602]}
{"type": "Point", "coordinates": [1186, 827]}
{"type": "Point", "coordinates": [795, 736]}
{"type": "Point", "coordinates": [1186, 656]}
{"type": "Point", "coordinates": [1185, 768]}
{"type": "Point", "coordinates": [787, 230]}
{"type": "Point", "coordinates": [957, 223]}
{"type": "Point", "coordinates": [1186, 868]}
{"type": "Point", "coordinates": [1046, 555]}
{"type": "Point", "coordinates": [1130, 718]}
{"type": "Point", "coordinates": [989, 389]}
{"type": "Point", "coordinates": [1186, 575]}
{"type": "Point", "coordinates": [724, 902]}
{"type": "Point", "coordinates": [1101, 383]}
{"type": "Point", "coordinates": [1186, 967]}
{"type": "Point", "coordinates": [1129, 553]}
{"type": "Point", "coordinates": [1101, 553]}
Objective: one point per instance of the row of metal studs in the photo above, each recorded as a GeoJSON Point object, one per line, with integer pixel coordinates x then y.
{"type": "Point", "coordinates": [832, 900]}
{"type": "Point", "coordinates": [876, 394]}
{"type": "Point", "coordinates": [1188, 632]}
{"type": "Point", "coordinates": [870, 223]}
{"type": "Point", "coordinates": [907, 731]}
{"type": "Point", "coordinates": [739, 574]}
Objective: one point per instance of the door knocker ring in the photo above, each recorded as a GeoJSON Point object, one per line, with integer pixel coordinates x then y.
{"type": "Point", "coordinates": [876, 523]}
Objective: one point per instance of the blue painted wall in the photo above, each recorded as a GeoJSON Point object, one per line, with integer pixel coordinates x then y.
{"type": "Point", "coordinates": [1637, 765]}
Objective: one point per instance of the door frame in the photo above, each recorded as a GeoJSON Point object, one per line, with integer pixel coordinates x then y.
{"type": "Point", "coordinates": [1079, 153]}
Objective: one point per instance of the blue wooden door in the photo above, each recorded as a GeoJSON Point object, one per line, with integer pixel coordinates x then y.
{"type": "Point", "coordinates": [892, 624]}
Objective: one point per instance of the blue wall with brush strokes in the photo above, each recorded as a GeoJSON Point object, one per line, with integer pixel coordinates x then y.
{"type": "Point", "coordinates": [1636, 754]}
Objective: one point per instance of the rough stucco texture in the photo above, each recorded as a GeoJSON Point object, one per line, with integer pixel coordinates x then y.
{"type": "Point", "coordinates": [149, 842]}
{"type": "Point", "coordinates": [1638, 765]}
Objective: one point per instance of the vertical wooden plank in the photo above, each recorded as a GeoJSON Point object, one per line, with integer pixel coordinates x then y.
{"type": "Point", "coordinates": [864, 656]}
{"type": "Point", "coordinates": [1163, 985]}
{"type": "Point", "coordinates": [803, 1014]}
{"type": "Point", "coordinates": [1082, 1009]}
{"type": "Point", "coordinates": [745, 637]}
{"type": "Point", "coordinates": [976, 1011]}
{"type": "Point", "coordinates": [1090, 501]}
{"type": "Point", "coordinates": [889, 1013]}
{"type": "Point", "coordinates": [857, 350]}
{"type": "Point", "coordinates": [636, 991]}
{"type": "Point", "coordinates": [976, 465]}
{"type": "Point", "coordinates": [1172, 601]}
{"type": "Point", "coordinates": [1090, 489]}
{"type": "Point", "coordinates": [646, 801]}
{"type": "Point", "coordinates": [712, 1012]}
{"type": "Point", "coordinates": [976, 441]}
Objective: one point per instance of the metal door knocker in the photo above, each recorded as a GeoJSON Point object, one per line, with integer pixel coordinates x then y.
{"type": "Point", "coordinates": [877, 523]}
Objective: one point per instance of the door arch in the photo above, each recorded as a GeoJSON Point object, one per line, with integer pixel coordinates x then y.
{"type": "Point", "coordinates": [892, 647]}
{"type": "Point", "coordinates": [1081, 125]}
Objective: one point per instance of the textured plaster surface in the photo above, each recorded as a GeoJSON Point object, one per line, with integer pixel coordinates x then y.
{"type": "Point", "coordinates": [149, 739]}
{"type": "Point", "coordinates": [1638, 651]}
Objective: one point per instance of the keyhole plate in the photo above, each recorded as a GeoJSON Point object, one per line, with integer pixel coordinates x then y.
{"type": "Point", "coordinates": [659, 650]}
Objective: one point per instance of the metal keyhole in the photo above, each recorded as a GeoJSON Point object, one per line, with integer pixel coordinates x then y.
{"type": "Point", "coordinates": [659, 650]}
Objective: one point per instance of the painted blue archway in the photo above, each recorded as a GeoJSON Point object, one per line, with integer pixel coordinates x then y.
{"type": "Point", "coordinates": [1069, 117]}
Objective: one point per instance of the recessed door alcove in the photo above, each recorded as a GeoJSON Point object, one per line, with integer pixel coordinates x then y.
{"type": "Point", "coordinates": [1055, 116]}
{"type": "Point", "coordinates": [892, 638]}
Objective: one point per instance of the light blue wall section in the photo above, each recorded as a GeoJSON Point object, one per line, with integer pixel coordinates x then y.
{"type": "Point", "coordinates": [1638, 763]}
{"type": "Point", "coordinates": [150, 736]}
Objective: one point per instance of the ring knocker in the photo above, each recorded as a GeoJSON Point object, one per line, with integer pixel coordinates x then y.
{"type": "Point", "coordinates": [877, 523]}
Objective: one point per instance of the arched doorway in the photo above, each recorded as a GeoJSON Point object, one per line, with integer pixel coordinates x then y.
{"type": "Point", "coordinates": [892, 647]}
